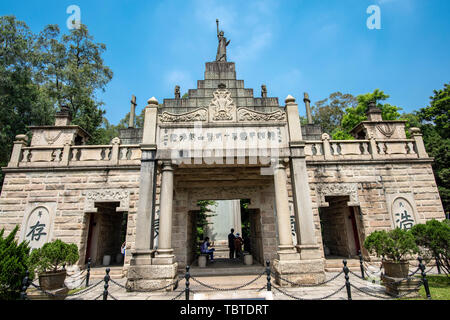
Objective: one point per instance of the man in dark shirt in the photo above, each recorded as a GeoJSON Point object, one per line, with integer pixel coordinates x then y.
{"type": "Point", "coordinates": [231, 238]}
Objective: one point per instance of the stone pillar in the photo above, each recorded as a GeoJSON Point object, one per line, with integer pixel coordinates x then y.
{"type": "Point", "coordinates": [306, 264]}
{"type": "Point", "coordinates": [326, 146]}
{"type": "Point", "coordinates": [165, 251]}
{"type": "Point", "coordinates": [132, 112]}
{"type": "Point", "coordinates": [115, 151]}
{"type": "Point", "coordinates": [308, 108]}
{"type": "Point", "coordinates": [19, 143]}
{"type": "Point", "coordinates": [146, 272]}
{"type": "Point", "coordinates": [282, 208]}
{"type": "Point", "coordinates": [417, 136]}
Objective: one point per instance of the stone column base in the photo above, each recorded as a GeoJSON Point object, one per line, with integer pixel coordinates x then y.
{"type": "Point", "coordinates": [299, 271]}
{"type": "Point", "coordinates": [145, 276]}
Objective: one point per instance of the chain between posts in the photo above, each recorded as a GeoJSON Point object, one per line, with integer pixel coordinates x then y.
{"type": "Point", "coordinates": [298, 298]}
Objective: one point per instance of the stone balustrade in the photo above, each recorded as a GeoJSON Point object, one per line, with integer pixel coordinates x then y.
{"type": "Point", "coordinates": [335, 150]}
{"type": "Point", "coordinates": [123, 155]}
{"type": "Point", "coordinates": [77, 156]}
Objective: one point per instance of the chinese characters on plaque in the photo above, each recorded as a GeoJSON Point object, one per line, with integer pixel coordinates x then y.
{"type": "Point", "coordinates": [403, 214]}
{"type": "Point", "coordinates": [38, 227]}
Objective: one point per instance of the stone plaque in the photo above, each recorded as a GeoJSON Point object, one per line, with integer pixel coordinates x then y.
{"type": "Point", "coordinates": [37, 225]}
{"type": "Point", "coordinates": [402, 210]}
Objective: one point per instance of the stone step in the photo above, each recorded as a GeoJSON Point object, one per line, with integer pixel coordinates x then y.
{"type": "Point", "coordinates": [100, 272]}
{"type": "Point", "coordinates": [336, 265]}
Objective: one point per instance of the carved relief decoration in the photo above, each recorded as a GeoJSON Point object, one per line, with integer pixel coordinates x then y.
{"type": "Point", "coordinates": [196, 115]}
{"type": "Point", "coordinates": [245, 114]}
{"type": "Point", "coordinates": [337, 189]}
{"type": "Point", "coordinates": [111, 195]}
{"type": "Point", "coordinates": [386, 129]}
{"type": "Point", "coordinates": [222, 107]}
{"type": "Point", "coordinates": [50, 140]}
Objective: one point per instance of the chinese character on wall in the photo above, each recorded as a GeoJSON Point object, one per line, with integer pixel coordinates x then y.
{"type": "Point", "coordinates": [403, 214]}
{"type": "Point", "coordinates": [37, 227]}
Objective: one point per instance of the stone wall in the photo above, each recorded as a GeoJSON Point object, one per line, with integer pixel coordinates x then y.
{"type": "Point", "coordinates": [74, 193]}
{"type": "Point", "coordinates": [372, 186]}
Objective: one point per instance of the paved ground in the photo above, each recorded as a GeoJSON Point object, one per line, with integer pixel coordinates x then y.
{"type": "Point", "coordinates": [252, 291]}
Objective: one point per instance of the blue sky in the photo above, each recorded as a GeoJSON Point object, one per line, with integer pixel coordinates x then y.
{"type": "Point", "coordinates": [293, 46]}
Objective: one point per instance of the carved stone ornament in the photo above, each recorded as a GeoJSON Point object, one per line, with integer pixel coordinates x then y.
{"type": "Point", "coordinates": [196, 115]}
{"type": "Point", "coordinates": [222, 107]}
{"type": "Point", "coordinates": [111, 195]}
{"type": "Point", "coordinates": [245, 114]}
{"type": "Point", "coordinates": [49, 139]}
{"type": "Point", "coordinates": [386, 129]}
{"type": "Point", "coordinates": [337, 189]}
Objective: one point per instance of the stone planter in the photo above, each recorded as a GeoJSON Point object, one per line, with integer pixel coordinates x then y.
{"type": "Point", "coordinates": [52, 280]}
{"type": "Point", "coordinates": [396, 269]}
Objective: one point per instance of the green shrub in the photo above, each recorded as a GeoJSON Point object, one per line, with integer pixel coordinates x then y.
{"type": "Point", "coordinates": [53, 255]}
{"type": "Point", "coordinates": [434, 236]}
{"type": "Point", "coordinates": [13, 265]}
{"type": "Point", "coordinates": [394, 245]}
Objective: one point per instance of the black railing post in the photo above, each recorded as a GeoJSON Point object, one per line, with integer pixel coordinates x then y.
{"type": "Point", "coordinates": [88, 274]}
{"type": "Point", "coordinates": [424, 278]}
{"type": "Point", "coordinates": [438, 266]}
{"type": "Point", "coordinates": [361, 263]}
{"type": "Point", "coordinates": [25, 284]}
{"type": "Point", "coordinates": [347, 282]}
{"type": "Point", "coordinates": [105, 292]}
{"type": "Point", "coordinates": [187, 276]}
{"type": "Point", "coordinates": [269, 285]}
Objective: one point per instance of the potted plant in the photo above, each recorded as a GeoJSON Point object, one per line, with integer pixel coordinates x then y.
{"type": "Point", "coordinates": [394, 246]}
{"type": "Point", "coordinates": [49, 260]}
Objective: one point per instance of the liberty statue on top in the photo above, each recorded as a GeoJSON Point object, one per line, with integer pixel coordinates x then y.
{"type": "Point", "coordinates": [223, 43]}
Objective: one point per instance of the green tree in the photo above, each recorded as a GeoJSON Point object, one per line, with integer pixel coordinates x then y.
{"type": "Point", "coordinates": [39, 73]}
{"type": "Point", "coordinates": [328, 113]}
{"type": "Point", "coordinates": [435, 129]}
{"type": "Point", "coordinates": [354, 115]}
{"type": "Point", "coordinates": [434, 236]}
{"type": "Point", "coordinates": [14, 261]}
{"type": "Point", "coordinates": [74, 74]}
{"type": "Point", "coordinates": [23, 101]}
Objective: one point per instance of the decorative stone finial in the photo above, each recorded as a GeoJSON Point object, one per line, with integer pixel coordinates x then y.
{"type": "Point", "coordinates": [21, 138]}
{"type": "Point", "coordinates": [152, 101]}
{"type": "Point", "coordinates": [325, 136]}
{"type": "Point", "coordinates": [63, 117]}
{"type": "Point", "coordinates": [177, 92]}
{"type": "Point", "coordinates": [289, 99]}
{"type": "Point", "coordinates": [414, 131]}
{"type": "Point", "coordinates": [115, 140]}
{"type": "Point", "coordinates": [373, 112]}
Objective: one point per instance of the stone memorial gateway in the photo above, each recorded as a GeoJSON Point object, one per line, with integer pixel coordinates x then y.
{"type": "Point", "coordinates": [306, 191]}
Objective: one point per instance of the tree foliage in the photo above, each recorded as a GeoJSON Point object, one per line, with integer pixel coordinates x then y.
{"type": "Point", "coordinates": [394, 245]}
{"type": "Point", "coordinates": [14, 261]}
{"type": "Point", "coordinates": [53, 255]}
{"type": "Point", "coordinates": [328, 113]}
{"type": "Point", "coordinates": [434, 124]}
{"type": "Point", "coordinates": [354, 115]}
{"type": "Point", "coordinates": [434, 236]}
{"type": "Point", "coordinates": [39, 73]}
